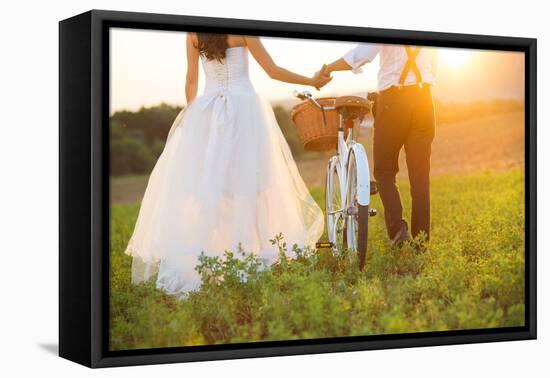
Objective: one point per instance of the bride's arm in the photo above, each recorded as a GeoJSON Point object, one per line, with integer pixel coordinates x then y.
{"type": "Point", "coordinates": [192, 79]}
{"type": "Point", "coordinates": [275, 72]}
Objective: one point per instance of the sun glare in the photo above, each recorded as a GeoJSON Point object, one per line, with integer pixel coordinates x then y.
{"type": "Point", "coordinates": [455, 58]}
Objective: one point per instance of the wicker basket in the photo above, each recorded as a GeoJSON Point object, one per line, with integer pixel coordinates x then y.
{"type": "Point", "coordinates": [313, 133]}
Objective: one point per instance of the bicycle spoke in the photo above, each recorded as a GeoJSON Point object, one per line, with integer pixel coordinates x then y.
{"type": "Point", "coordinates": [335, 210]}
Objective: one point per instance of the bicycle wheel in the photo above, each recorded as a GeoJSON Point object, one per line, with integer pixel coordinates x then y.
{"type": "Point", "coordinates": [334, 205]}
{"type": "Point", "coordinates": [357, 215]}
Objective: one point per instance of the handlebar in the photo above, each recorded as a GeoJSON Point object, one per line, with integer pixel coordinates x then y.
{"type": "Point", "coordinates": [306, 95]}
{"type": "Point", "coordinates": [302, 95]}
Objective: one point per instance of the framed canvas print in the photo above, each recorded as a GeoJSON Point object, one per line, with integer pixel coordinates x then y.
{"type": "Point", "coordinates": [236, 188]}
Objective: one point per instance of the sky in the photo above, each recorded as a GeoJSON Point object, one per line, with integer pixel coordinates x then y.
{"type": "Point", "coordinates": [148, 68]}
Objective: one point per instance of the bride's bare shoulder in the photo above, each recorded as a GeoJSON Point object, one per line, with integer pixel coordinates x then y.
{"type": "Point", "coordinates": [192, 37]}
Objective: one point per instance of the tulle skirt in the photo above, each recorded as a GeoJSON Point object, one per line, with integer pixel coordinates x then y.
{"type": "Point", "coordinates": [226, 178]}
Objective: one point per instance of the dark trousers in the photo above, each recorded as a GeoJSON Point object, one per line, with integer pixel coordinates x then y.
{"type": "Point", "coordinates": [404, 118]}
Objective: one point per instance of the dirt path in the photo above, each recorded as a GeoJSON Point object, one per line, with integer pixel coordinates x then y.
{"type": "Point", "coordinates": [490, 143]}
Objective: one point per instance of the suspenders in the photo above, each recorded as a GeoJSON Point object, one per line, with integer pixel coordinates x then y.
{"type": "Point", "coordinates": [411, 65]}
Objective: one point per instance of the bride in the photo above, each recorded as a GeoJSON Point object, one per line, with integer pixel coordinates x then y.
{"type": "Point", "coordinates": [226, 177]}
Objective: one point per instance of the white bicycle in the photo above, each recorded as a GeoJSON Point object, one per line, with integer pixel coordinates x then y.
{"type": "Point", "coordinates": [348, 184]}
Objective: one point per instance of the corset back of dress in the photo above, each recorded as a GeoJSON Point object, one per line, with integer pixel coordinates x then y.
{"type": "Point", "coordinates": [231, 74]}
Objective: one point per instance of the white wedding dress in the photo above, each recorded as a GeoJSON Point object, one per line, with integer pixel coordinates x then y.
{"type": "Point", "coordinates": [226, 177]}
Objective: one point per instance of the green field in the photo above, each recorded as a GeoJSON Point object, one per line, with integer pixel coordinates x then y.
{"type": "Point", "coordinates": [472, 276]}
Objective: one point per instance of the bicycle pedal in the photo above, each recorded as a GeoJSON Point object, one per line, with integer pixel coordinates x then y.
{"type": "Point", "coordinates": [324, 245]}
{"type": "Point", "coordinates": [372, 212]}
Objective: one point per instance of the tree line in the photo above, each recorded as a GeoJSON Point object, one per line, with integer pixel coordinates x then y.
{"type": "Point", "coordinates": [137, 138]}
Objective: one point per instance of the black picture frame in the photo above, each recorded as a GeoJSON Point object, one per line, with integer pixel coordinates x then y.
{"type": "Point", "coordinates": [84, 187]}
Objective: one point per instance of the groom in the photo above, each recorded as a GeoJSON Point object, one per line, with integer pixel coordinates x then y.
{"type": "Point", "coordinates": [404, 118]}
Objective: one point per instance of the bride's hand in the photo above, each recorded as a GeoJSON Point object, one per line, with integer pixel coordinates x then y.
{"type": "Point", "coordinates": [320, 79]}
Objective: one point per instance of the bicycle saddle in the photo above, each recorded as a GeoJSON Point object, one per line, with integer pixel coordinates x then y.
{"type": "Point", "coordinates": [352, 107]}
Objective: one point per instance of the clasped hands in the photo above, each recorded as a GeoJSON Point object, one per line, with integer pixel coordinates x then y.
{"type": "Point", "coordinates": [321, 77]}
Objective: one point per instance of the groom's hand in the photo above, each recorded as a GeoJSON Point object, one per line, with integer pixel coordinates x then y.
{"type": "Point", "coordinates": [325, 71]}
{"type": "Point", "coordinates": [321, 77]}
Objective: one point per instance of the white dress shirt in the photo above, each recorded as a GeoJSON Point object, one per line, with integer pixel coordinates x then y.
{"type": "Point", "coordinates": [392, 61]}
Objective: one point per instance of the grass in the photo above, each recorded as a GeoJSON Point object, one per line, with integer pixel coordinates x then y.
{"type": "Point", "coordinates": [472, 276]}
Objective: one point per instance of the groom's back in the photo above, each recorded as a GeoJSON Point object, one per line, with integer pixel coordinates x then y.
{"type": "Point", "coordinates": [393, 59]}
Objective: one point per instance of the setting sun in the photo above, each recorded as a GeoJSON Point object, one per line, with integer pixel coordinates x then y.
{"type": "Point", "coordinates": [455, 58]}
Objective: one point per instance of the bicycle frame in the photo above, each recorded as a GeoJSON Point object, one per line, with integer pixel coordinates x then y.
{"type": "Point", "coordinates": [346, 147]}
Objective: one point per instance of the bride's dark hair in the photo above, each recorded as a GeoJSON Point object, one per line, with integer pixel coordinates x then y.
{"type": "Point", "coordinates": [212, 46]}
